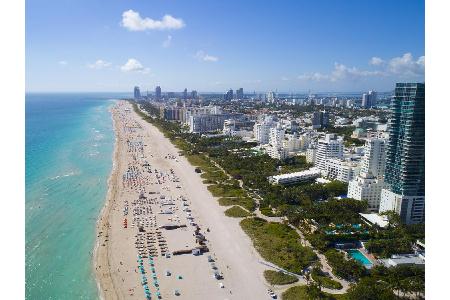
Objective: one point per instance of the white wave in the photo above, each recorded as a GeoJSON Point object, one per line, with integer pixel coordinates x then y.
{"type": "Point", "coordinates": [72, 173]}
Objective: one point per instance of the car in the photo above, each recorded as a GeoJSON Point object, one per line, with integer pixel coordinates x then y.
{"type": "Point", "coordinates": [272, 294]}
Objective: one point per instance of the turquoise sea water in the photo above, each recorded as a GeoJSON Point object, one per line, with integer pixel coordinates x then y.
{"type": "Point", "coordinates": [69, 146]}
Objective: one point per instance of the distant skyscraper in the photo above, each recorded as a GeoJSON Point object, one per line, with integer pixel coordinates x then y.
{"type": "Point", "coordinates": [158, 93]}
{"type": "Point", "coordinates": [194, 94]}
{"type": "Point", "coordinates": [270, 97]}
{"type": "Point", "coordinates": [405, 154]}
{"type": "Point", "coordinates": [137, 93]}
{"type": "Point", "coordinates": [320, 119]}
{"type": "Point", "coordinates": [365, 101]}
{"type": "Point", "coordinates": [228, 95]}
{"type": "Point", "coordinates": [373, 98]}
{"type": "Point", "coordinates": [240, 93]}
{"type": "Point", "coordinates": [185, 93]}
{"type": "Point", "coordinates": [369, 100]}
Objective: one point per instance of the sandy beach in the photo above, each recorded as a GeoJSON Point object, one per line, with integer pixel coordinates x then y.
{"type": "Point", "coordinates": [158, 214]}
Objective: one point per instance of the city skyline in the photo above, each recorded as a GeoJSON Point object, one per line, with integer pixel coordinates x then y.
{"type": "Point", "coordinates": [297, 47]}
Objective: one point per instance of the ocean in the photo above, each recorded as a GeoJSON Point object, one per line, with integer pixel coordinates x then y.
{"type": "Point", "coordinates": [69, 147]}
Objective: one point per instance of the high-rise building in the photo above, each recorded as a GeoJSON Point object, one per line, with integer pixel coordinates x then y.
{"type": "Point", "coordinates": [185, 94]}
{"type": "Point", "coordinates": [369, 184]}
{"type": "Point", "coordinates": [329, 147]}
{"type": "Point", "coordinates": [373, 98]}
{"type": "Point", "coordinates": [240, 93]}
{"type": "Point", "coordinates": [261, 130]}
{"type": "Point", "coordinates": [228, 96]}
{"type": "Point", "coordinates": [276, 136]}
{"type": "Point", "coordinates": [270, 97]}
{"type": "Point", "coordinates": [405, 154]}
{"type": "Point", "coordinates": [320, 119]}
{"type": "Point", "coordinates": [369, 100]}
{"type": "Point", "coordinates": [374, 160]}
{"type": "Point", "coordinates": [158, 93]}
{"type": "Point", "coordinates": [137, 93]}
{"type": "Point", "coordinates": [194, 94]}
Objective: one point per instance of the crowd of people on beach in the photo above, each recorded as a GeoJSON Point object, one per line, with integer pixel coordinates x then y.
{"type": "Point", "coordinates": [157, 198]}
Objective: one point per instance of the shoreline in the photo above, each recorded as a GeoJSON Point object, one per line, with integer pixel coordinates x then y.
{"type": "Point", "coordinates": [101, 254]}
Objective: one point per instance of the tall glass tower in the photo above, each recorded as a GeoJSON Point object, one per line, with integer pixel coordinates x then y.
{"type": "Point", "coordinates": [405, 154]}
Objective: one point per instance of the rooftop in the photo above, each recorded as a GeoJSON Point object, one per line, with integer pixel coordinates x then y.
{"type": "Point", "coordinates": [374, 218]}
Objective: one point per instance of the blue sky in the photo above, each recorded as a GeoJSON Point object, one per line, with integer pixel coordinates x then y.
{"type": "Point", "coordinates": [291, 46]}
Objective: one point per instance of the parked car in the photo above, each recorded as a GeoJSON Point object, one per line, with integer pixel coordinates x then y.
{"type": "Point", "coordinates": [272, 294]}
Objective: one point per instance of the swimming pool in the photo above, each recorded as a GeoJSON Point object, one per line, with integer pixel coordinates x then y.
{"type": "Point", "coordinates": [357, 255]}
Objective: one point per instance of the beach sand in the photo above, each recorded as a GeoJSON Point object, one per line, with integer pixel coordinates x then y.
{"type": "Point", "coordinates": [140, 148]}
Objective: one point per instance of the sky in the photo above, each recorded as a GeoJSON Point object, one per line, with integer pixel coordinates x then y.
{"type": "Point", "coordinates": [212, 46]}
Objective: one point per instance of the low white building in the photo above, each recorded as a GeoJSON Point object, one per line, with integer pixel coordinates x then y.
{"type": "Point", "coordinates": [377, 219]}
{"type": "Point", "coordinates": [404, 259]}
{"type": "Point", "coordinates": [296, 177]}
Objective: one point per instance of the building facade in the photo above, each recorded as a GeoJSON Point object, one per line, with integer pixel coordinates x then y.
{"type": "Point", "coordinates": [330, 146]}
{"type": "Point", "coordinates": [342, 170]}
{"type": "Point", "coordinates": [405, 154]}
{"type": "Point", "coordinates": [137, 93]}
{"type": "Point", "coordinates": [158, 93]}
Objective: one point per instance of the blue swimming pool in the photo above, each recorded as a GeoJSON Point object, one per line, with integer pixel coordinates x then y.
{"type": "Point", "coordinates": [357, 255]}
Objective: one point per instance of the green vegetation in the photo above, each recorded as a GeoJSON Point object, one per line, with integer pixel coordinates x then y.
{"type": "Point", "coordinates": [278, 244]}
{"type": "Point", "coordinates": [324, 280]}
{"type": "Point", "coordinates": [344, 211]}
{"type": "Point", "coordinates": [343, 268]}
{"type": "Point", "coordinates": [245, 202]}
{"type": "Point", "coordinates": [237, 212]}
{"type": "Point", "coordinates": [309, 292]}
{"type": "Point", "coordinates": [267, 211]}
{"type": "Point", "coordinates": [226, 190]}
{"type": "Point", "coordinates": [353, 142]}
{"type": "Point", "coordinates": [369, 288]}
{"type": "Point", "coordinates": [278, 277]}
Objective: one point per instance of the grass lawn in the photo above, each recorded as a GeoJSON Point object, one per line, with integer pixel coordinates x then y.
{"type": "Point", "coordinates": [236, 212]}
{"type": "Point", "coordinates": [222, 190]}
{"type": "Point", "coordinates": [278, 244]}
{"type": "Point", "coordinates": [245, 202]}
{"type": "Point", "coordinates": [326, 281]}
{"type": "Point", "coordinates": [300, 293]}
{"type": "Point", "coordinates": [279, 278]}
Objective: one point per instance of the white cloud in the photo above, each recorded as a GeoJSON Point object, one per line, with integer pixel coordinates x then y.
{"type": "Point", "coordinates": [132, 21]}
{"type": "Point", "coordinates": [284, 78]}
{"type": "Point", "coordinates": [62, 63]}
{"type": "Point", "coordinates": [343, 72]}
{"type": "Point", "coordinates": [133, 65]}
{"type": "Point", "coordinates": [403, 66]}
{"type": "Point", "coordinates": [314, 77]}
{"type": "Point", "coordinates": [407, 66]}
{"type": "Point", "coordinates": [99, 64]}
{"type": "Point", "coordinates": [202, 56]}
{"type": "Point", "coordinates": [376, 61]}
{"type": "Point", "coordinates": [167, 41]}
